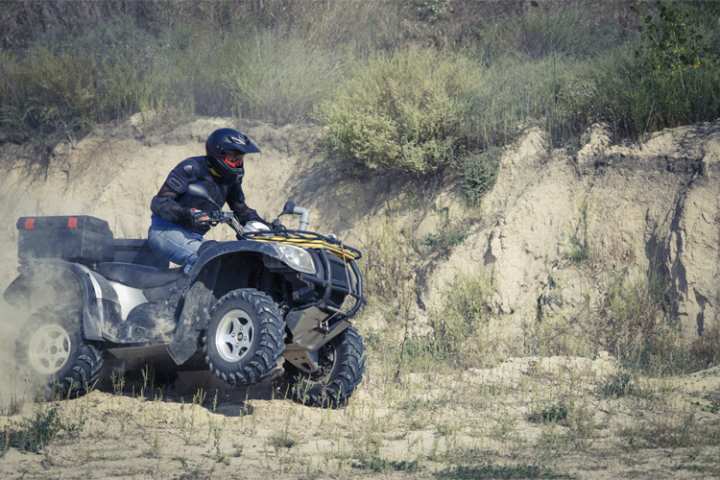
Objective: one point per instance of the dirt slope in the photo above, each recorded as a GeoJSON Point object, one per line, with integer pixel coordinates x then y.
{"type": "Point", "coordinates": [648, 210]}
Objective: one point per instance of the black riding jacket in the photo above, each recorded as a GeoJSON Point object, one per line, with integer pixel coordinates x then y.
{"type": "Point", "coordinates": [173, 203]}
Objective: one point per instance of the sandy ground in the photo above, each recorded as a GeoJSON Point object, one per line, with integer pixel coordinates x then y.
{"type": "Point", "coordinates": [490, 423]}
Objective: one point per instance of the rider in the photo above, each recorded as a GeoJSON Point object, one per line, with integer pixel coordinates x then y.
{"type": "Point", "coordinates": [180, 219]}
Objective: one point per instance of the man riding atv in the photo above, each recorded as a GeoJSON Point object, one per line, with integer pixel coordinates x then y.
{"type": "Point", "coordinates": [180, 220]}
{"type": "Point", "coordinates": [242, 309]}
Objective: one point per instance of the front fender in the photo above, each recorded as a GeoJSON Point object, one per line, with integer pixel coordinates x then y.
{"type": "Point", "coordinates": [218, 249]}
{"type": "Point", "coordinates": [201, 294]}
{"type": "Point", "coordinates": [194, 314]}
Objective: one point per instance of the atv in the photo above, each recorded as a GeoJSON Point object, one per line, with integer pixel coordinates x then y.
{"type": "Point", "coordinates": [270, 304]}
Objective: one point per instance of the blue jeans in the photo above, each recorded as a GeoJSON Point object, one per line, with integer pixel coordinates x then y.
{"type": "Point", "coordinates": [179, 245]}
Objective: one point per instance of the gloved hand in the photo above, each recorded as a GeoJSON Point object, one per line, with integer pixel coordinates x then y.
{"type": "Point", "coordinates": [199, 219]}
{"type": "Point", "coordinates": [276, 226]}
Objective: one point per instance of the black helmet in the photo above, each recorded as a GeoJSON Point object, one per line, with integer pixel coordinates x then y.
{"type": "Point", "coordinates": [224, 142]}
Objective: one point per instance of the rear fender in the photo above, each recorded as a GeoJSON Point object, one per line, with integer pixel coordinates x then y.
{"type": "Point", "coordinates": [98, 300]}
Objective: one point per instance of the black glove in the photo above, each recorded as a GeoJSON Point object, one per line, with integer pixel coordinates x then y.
{"type": "Point", "coordinates": [200, 220]}
{"type": "Point", "coordinates": [276, 226]}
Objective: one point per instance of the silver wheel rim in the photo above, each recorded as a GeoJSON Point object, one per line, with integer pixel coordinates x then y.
{"type": "Point", "coordinates": [234, 335]}
{"type": "Point", "coordinates": [49, 349]}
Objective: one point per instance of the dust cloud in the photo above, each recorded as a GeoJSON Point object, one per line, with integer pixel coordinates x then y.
{"type": "Point", "coordinates": [17, 385]}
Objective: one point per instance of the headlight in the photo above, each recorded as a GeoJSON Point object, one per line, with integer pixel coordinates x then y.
{"type": "Point", "coordinates": [296, 257]}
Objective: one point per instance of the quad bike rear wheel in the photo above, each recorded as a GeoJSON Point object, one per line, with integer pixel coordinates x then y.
{"type": "Point", "coordinates": [342, 364]}
{"type": "Point", "coordinates": [53, 348]}
{"type": "Point", "coordinates": [245, 337]}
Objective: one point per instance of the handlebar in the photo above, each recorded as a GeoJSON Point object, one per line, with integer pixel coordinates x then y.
{"type": "Point", "coordinates": [218, 217]}
{"type": "Point", "coordinates": [228, 218]}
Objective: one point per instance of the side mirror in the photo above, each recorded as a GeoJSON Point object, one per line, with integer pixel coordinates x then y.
{"type": "Point", "coordinates": [289, 208]}
{"type": "Point", "coordinates": [198, 190]}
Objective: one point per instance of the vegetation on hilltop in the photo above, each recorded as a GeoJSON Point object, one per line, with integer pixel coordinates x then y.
{"type": "Point", "coordinates": [427, 80]}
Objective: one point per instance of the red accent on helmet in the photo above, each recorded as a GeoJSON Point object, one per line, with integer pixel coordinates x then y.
{"type": "Point", "coordinates": [29, 224]}
{"type": "Point", "coordinates": [233, 163]}
{"type": "Point", "coordinates": [72, 223]}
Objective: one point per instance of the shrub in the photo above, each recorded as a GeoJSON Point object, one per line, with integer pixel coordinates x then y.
{"type": "Point", "coordinates": [479, 174]}
{"type": "Point", "coordinates": [460, 318]}
{"type": "Point", "coordinates": [403, 111]}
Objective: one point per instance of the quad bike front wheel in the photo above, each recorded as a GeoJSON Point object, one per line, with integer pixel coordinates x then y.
{"type": "Point", "coordinates": [342, 364]}
{"type": "Point", "coordinates": [245, 337]}
{"type": "Point", "coordinates": [52, 347]}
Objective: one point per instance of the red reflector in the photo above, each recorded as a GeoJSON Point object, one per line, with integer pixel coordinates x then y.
{"type": "Point", "coordinates": [72, 223]}
{"type": "Point", "coordinates": [29, 224]}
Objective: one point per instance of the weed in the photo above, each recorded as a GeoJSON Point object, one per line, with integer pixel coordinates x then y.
{"type": "Point", "coordinates": [705, 350]}
{"type": "Point", "coordinates": [399, 106]}
{"type": "Point", "coordinates": [199, 397]}
{"type": "Point", "coordinates": [672, 431]}
{"type": "Point", "coordinates": [490, 471]}
{"type": "Point", "coordinates": [117, 379]}
{"type": "Point", "coordinates": [552, 444]}
{"type": "Point", "coordinates": [33, 434]}
{"type": "Point", "coordinates": [554, 413]}
{"type": "Point", "coordinates": [187, 425]}
{"type": "Point", "coordinates": [457, 322]}
{"type": "Point", "coordinates": [379, 464]}
{"type": "Point", "coordinates": [446, 238]}
{"type": "Point", "coordinates": [630, 325]}
{"type": "Point", "coordinates": [578, 250]}
{"type": "Point", "coordinates": [216, 434]}
{"type": "Point", "coordinates": [387, 266]}
{"type": "Point", "coordinates": [617, 385]}
{"type": "Point", "coordinates": [504, 429]}
{"type": "Point", "coordinates": [279, 78]}
{"type": "Point", "coordinates": [479, 173]}
{"type": "Point", "coordinates": [153, 450]}
{"type": "Point", "coordinates": [283, 439]}
{"type": "Point", "coordinates": [148, 379]}
{"type": "Point", "coordinates": [713, 406]}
